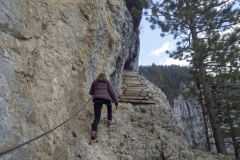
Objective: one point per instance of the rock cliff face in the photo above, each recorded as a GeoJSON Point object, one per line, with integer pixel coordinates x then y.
{"type": "Point", "coordinates": [187, 115]}
{"type": "Point", "coordinates": [50, 52]}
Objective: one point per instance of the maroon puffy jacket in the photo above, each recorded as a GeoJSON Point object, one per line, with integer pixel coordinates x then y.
{"type": "Point", "coordinates": [103, 90]}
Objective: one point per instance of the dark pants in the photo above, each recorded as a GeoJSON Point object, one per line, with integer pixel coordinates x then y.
{"type": "Point", "coordinates": [97, 111]}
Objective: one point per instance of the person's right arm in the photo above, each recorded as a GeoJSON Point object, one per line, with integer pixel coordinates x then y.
{"type": "Point", "coordinates": [113, 95]}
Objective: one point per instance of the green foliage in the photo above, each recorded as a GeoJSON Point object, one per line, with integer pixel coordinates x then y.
{"type": "Point", "coordinates": [151, 114]}
{"type": "Point", "coordinates": [135, 7]}
{"type": "Point", "coordinates": [144, 3]}
{"type": "Point", "coordinates": [213, 55]}
{"type": "Point", "coordinates": [143, 110]}
{"type": "Point", "coordinates": [167, 120]}
{"type": "Point", "coordinates": [163, 143]}
{"type": "Point", "coordinates": [152, 73]}
{"type": "Point", "coordinates": [152, 129]}
{"type": "Point", "coordinates": [136, 12]}
{"type": "Point", "coordinates": [168, 78]}
{"type": "Point", "coordinates": [139, 125]}
{"type": "Point", "coordinates": [166, 137]}
{"type": "Point", "coordinates": [74, 134]}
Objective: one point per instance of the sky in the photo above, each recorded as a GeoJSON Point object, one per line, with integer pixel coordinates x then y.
{"type": "Point", "coordinates": [153, 47]}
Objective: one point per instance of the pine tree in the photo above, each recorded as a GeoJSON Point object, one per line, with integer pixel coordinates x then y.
{"type": "Point", "coordinates": [226, 86]}
{"type": "Point", "coordinates": [168, 78]}
{"type": "Point", "coordinates": [152, 73]}
{"type": "Point", "coordinates": [198, 24]}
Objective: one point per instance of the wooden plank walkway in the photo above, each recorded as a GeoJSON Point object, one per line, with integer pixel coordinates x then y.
{"type": "Point", "coordinates": [134, 89]}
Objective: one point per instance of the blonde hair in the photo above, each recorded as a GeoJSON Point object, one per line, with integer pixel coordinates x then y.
{"type": "Point", "coordinates": [102, 77]}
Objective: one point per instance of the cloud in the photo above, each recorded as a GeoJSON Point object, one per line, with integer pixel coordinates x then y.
{"type": "Point", "coordinates": [231, 29]}
{"type": "Point", "coordinates": [165, 46]}
{"type": "Point", "coordinates": [170, 61]}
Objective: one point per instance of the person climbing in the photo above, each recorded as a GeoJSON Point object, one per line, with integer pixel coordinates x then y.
{"type": "Point", "coordinates": [102, 93]}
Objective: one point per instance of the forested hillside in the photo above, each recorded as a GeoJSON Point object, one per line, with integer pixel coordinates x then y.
{"type": "Point", "coordinates": [208, 35]}
{"type": "Point", "coordinates": [168, 78]}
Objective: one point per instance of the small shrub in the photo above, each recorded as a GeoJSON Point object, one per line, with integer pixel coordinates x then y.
{"type": "Point", "coordinates": [74, 134]}
{"type": "Point", "coordinates": [224, 158]}
{"type": "Point", "coordinates": [166, 137]}
{"type": "Point", "coordinates": [140, 125]}
{"type": "Point", "coordinates": [193, 149]}
{"type": "Point", "coordinates": [152, 129]}
{"type": "Point", "coordinates": [163, 143]}
{"type": "Point", "coordinates": [151, 114]}
{"type": "Point", "coordinates": [135, 109]}
{"type": "Point", "coordinates": [150, 97]}
{"type": "Point", "coordinates": [167, 121]}
{"type": "Point", "coordinates": [143, 110]}
{"type": "Point", "coordinates": [139, 118]}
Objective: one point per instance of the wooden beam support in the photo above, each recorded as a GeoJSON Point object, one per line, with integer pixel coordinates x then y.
{"type": "Point", "coordinates": [133, 97]}
{"type": "Point", "coordinates": [135, 94]}
{"type": "Point", "coordinates": [137, 90]}
{"type": "Point", "coordinates": [133, 78]}
{"type": "Point", "coordinates": [133, 82]}
{"type": "Point", "coordinates": [137, 101]}
{"type": "Point", "coordinates": [134, 85]}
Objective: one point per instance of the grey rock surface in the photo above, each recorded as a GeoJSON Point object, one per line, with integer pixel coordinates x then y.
{"type": "Point", "coordinates": [187, 115]}
{"type": "Point", "coordinates": [50, 52]}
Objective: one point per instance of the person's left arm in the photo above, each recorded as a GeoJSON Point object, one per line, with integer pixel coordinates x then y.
{"type": "Point", "coordinates": [91, 92]}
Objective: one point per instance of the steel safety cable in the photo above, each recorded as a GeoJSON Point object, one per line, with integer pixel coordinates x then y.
{"type": "Point", "coordinates": [33, 139]}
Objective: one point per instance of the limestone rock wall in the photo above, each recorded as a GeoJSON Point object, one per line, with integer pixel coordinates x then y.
{"type": "Point", "coordinates": [50, 52]}
{"type": "Point", "coordinates": [187, 115]}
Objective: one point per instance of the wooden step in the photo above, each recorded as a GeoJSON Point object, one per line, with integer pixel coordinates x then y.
{"type": "Point", "coordinates": [133, 82]}
{"type": "Point", "coordinates": [133, 97]}
{"type": "Point", "coordinates": [132, 78]}
{"type": "Point", "coordinates": [137, 90]}
{"type": "Point", "coordinates": [143, 94]}
{"type": "Point", "coordinates": [134, 85]}
{"type": "Point", "coordinates": [129, 76]}
{"type": "Point", "coordinates": [137, 101]}
{"type": "Point", "coordinates": [128, 71]}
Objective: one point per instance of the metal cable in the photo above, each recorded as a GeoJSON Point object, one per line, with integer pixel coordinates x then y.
{"type": "Point", "coordinates": [33, 139]}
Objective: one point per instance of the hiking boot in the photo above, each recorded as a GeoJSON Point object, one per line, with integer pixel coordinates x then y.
{"type": "Point", "coordinates": [93, 135]}
{"type": "Point", "coordinates": [111, 122]}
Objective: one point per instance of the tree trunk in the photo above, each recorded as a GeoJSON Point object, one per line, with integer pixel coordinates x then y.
{"type": "Point", "coordinates": [236, 148]}
{"type": "Point", "coordinates": [208, 146]}
{"type": "Point", "coordinates": [199, 64]}
{"type": "Point", "coordinates": [205, 123]}
{"type": "Point", "coordinates": [233, 135]}
{"type": "Point", "coordinates": [219, 142]}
